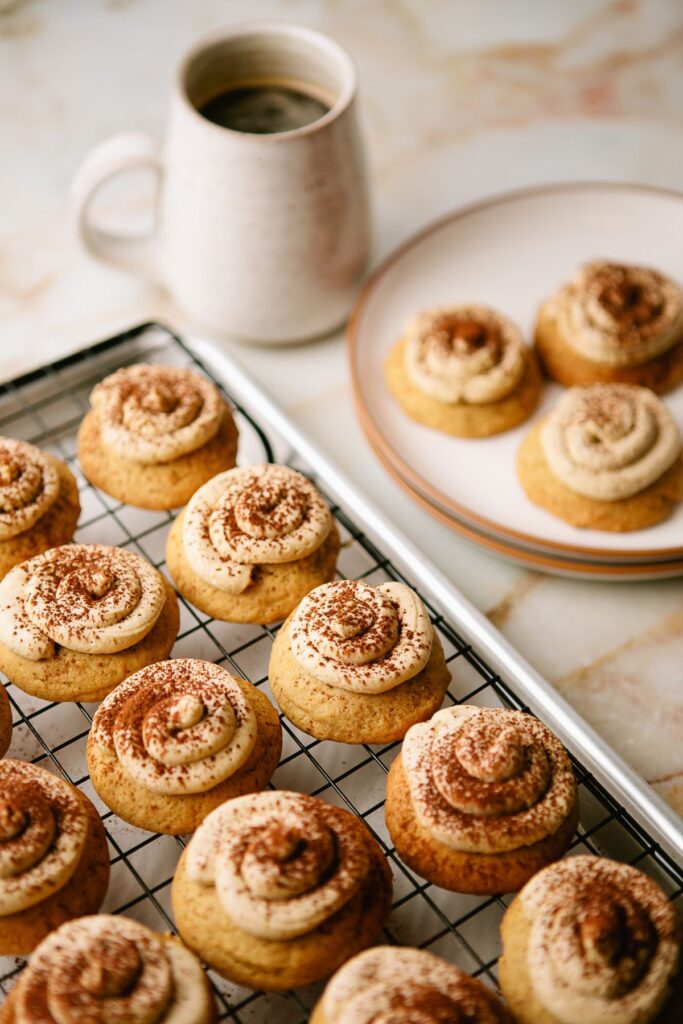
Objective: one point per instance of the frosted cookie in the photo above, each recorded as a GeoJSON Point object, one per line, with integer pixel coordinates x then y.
{"type": "Point", "coordinates": [54, 860]}
{"type": "Point", "coordinates": [481, 798]}
{"type": "Point", "coordinates": [179, 738]}
{"type": "Point", "coordinates": [75, 621]}
{"type": "Point", "coordinates": [614, 323]}
{"type": "Point", "coordinates": [403, 985]}
{"type": "Point", "coordinates": [608, 457]}
{"type": "Point", "coordinates": [275, 890]}
{"type": "Point", "coordinates": [39, 505]}
{"type": "Point", "coordinates": [464, 370]}
{"type": "Point", "coordinates": [358, 663]}
{"type": "Point", "coordinates": [155, 434]}
{"type": "Point", "coordinates": [114, 971]}
{"type": "Point", "coordinates": [595, 941]}
{"type": "Point", "coordinates": [251, 543]}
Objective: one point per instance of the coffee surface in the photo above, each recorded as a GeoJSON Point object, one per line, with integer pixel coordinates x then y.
{"type": "Point", "coordinates": [263, 110]}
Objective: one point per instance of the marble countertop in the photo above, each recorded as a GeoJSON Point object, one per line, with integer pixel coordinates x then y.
{"type": "Point", "coordinates": [460, 99]}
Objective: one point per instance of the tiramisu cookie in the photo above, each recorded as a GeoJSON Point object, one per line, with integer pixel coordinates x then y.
{"type": "Point", "coordinates": [110, 970]}
{"type": "Point", "coordinates": [54, 860]}
{"type": "Point", "coordinates": [358, 663]}
{"type": "Point", "coordinates": [464, 370]}
{"type": "Point", "coordinates": [39, 505]}
{"type": "Point", "coordinates": [405, 986]}
{"type": "Point", "coordinates": [179, 738]}
{"type": "Point", "coordinates": [614, 323]}
{"type": "Point", "coordinates": [77, 620]}
{"type": "Point", "coordinates": [608, 457]}
{"type": "Point", "coordinates": [481, 798]}
{"type": "Point", "coordinates": [593, 941]}
{"type": "Point", "coordinates": [251, 543]}
{"type": "Point", "coordinates": [155, 434]}
{"type": "Point", "coordinates": [5, 721]}
{"type": "Point", "coordinates": [275, 890]}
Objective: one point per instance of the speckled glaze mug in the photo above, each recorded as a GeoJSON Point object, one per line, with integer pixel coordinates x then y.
{"type": "Point", "coordinates": [260, 236]}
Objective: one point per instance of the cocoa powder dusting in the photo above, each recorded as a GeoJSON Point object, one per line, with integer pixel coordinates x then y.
{"type": "Point", "coordinates": [473, 798]}
{"type": "Point", "coordinates": [463, 334]}
{"type": "Point", "coordinates": [633, 298]}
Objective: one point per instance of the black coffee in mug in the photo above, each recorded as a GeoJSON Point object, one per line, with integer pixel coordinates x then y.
{"type": "Point", "coordinates": [264, 109]}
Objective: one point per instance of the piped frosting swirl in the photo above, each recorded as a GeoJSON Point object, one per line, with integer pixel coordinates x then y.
{"type": "Point", "coordinates": [619, 315]}
{"type": "Point", "coordinates": [252, 516]}
{"type": "Point", "coordinates": [281, 863]}
{"type": "Point", "coordinates": [154, 414]}
{"type": "Point", "coordinates": [464, 355]}
{"type": "Point", "coordinates": [84, 597]}
{"type": "Point", "coordinates": [364, 638]}
{"type": "Point", "coordinates": [394, 985]}
{"type": "Point", "coordinates": [604, 945]}
{"type": "Point", "coordinates": [111, 970]}
{"type": "Point", "coordinates": [610, 441]}
{"type": "Point", "coordinates": [43, 830]}
{"type": "Point", "coordinates": [487, 780]}
{"type": "Point", "coordinates": [177, 727]}
{"type": "Point", "coordinates": [29, 486]}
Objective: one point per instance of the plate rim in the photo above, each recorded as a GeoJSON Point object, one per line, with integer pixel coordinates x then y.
{"type": "Point", "coordinates": [393, 461]}
{"type": "Point", "coordinates": [616, 557]}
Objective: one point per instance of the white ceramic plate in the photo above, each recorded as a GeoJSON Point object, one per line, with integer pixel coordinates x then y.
{"type": "Point", "coordinates": [559, 565]}
{"type": "Point", "coordinates": [509, 253]}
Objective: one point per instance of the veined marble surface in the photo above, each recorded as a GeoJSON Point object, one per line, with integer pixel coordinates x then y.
{"type": "Point", "coordinates": [461, 99]}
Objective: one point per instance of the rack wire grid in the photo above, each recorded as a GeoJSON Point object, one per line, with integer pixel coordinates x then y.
{"type": "Point", "coordinates": [46, 407]}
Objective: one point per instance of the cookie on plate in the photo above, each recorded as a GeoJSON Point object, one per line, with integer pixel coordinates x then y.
{"type": "Point", "coordinates": [480, 798]}
{"type": "Point", "coordinates": [155, 434]}
{"type": "Point", "coordinates": [358, 663]}
{"type": "Point", "coordinates": [75, 621]}
{"type": "Point", "coordinates": [614, 323]}
{"type": "Point", "coordinates": [464, 370]}
{"type": "Point", "coordinates": [177, 739]}
{"type": "Point", "coordinates": [251, 543]}
{"type": "Point", "coordinates": [608, 457]}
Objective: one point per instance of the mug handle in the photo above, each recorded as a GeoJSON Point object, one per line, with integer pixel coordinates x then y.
{"type": "Point", "coordinates": [122, 152]}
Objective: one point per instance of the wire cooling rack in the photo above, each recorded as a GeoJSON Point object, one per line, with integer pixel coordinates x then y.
{"type": "Point", "coordinates": [46, 407]}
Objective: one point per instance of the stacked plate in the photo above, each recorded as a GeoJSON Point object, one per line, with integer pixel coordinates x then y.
{"type": "Point", "coordinates": [511, 253]}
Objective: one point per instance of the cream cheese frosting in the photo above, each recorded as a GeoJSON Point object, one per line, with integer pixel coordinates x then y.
{"type": "Point", "coordinates": [364, 638]}
{"type": "Point", "coordinates": [464, 355]}
{"type": "Point", "coordinates": [610, 441]}
{"type": "Point", "coordinates": [177, 727]}
{"type": "Point", "coordinates": [619, 315]}
{"type": "Point", "coordinates": [407, 986]}
{"type": "Point", "coordinates": [246, 517]}
{"type": "Point", "coordinates": [604, 945]}
{"type": "Point", "coordinates": [110, 970]}
{"type": "Point", "coordinates": [29, 486]}
{"type": "Point", "coordinates": [43, 830]}
{"type": "Point", "coordinates": [487, 780]}
{"type": "Point", "coordinates": [154, 414]}
{"type": "Point", "coordinates": [84, 597]}
{"type": "Point", "coordinates": [281, 863]}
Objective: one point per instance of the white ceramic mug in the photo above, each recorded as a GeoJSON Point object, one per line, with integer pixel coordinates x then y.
{"type": "Point", "coordinates": [264, 237]}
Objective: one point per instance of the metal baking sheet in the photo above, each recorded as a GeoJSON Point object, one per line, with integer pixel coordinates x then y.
{"type": "Point", "coordinates": [620, 815]}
